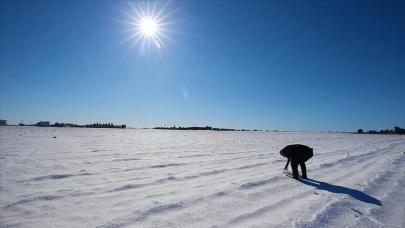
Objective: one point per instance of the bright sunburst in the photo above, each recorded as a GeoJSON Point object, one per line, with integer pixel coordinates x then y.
{"type": "Point", "coordinates": [148, 27]}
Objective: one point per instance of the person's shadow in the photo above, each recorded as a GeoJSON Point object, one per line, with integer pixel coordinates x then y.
{"type": "Point", "coordinates": [340, 189]}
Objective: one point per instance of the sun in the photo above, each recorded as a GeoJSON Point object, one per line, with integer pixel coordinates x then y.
{"type": "Point", "coordinates": [148, 26]}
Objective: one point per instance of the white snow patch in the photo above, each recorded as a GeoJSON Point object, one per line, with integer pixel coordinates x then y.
{"type": "Point", "coordinates": [152, 178]}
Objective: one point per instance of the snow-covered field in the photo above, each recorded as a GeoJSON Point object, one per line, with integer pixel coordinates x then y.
{"type": "Point", "coordinates": [157, 178]}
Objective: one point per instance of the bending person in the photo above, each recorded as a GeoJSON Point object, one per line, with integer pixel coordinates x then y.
{"type": "Point", "coordinates": [297, 154]}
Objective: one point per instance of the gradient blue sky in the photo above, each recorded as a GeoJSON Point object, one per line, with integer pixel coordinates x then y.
{"type": "Point", "coordinates": [286, 65]}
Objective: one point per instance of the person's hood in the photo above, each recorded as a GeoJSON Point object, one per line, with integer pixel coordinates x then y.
{"type": "Point", "coordinates": [286, 151]}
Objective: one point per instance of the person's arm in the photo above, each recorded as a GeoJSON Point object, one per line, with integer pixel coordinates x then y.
{"type": "Point", "coordinates": [286, 165]}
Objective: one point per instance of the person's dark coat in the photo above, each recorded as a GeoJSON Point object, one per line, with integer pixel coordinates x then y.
{"type": "Point", "coordinates": [297, 154]}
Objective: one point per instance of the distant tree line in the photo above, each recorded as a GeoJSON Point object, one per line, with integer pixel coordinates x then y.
{"type": "Point", "coordinates": [194, 128]}
{"type": "Point", "coordinates": [105, 125]}
{"type": "Point", "coordinates": [397, 130]}
{"type": "Point", "coordinates": [57, 124]}
{"type": "Point", "coordinates": [100, 125]}
{"type": "Point", "coordinates": [95, 125]}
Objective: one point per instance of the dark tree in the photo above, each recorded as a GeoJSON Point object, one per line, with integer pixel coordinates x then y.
{"type": "Point", "coordinates": [396, 130]}
{"type": "Point", "coordinates": [399, 130]}
{"type": "Point", "coordinates": [360, 131]}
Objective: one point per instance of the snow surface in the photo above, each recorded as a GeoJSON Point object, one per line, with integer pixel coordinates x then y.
{"type": "Point", "coordinates": [158, 178]}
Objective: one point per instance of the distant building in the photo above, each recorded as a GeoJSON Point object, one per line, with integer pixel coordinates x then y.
{"type": "Point", "coordinates": [43, 124]}
{"type": "Point", "coordinates": [3, 122]}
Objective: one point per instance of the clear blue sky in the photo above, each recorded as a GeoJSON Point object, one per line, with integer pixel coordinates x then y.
{"type": "Point", "coordinates": [286, 65]}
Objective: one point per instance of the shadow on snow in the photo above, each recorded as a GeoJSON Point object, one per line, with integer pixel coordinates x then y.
{"type": "Point", "coordinates": [340, 189]}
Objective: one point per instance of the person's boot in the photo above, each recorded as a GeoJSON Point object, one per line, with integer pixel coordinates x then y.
{"type": "Point", "coordinates": [305, 177]}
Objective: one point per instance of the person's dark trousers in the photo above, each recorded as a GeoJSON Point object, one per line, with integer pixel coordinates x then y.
{"type": "Point", "coordinates": [303, 170]}
{"type": "Point", "coordinates": [294, 166]}
{"type": "Point", "coordinates": [300, 159]}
